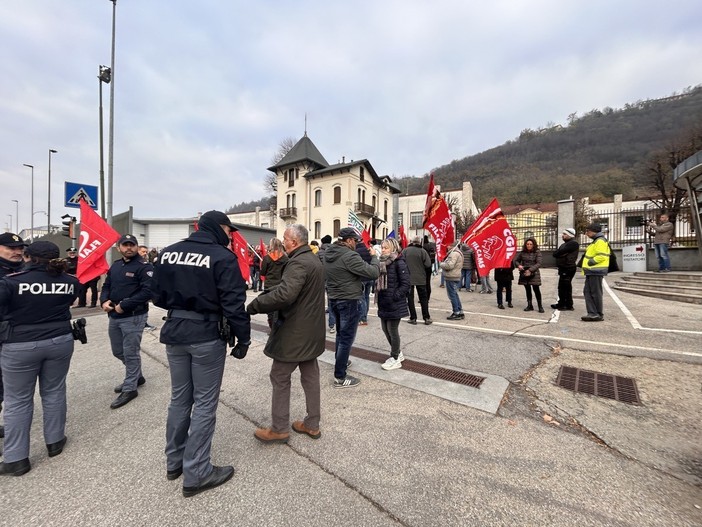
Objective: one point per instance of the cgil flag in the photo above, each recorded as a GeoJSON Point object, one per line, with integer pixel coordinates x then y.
{"type": "Point", "coordinates": [239, 247]}
{"type": "Point", "coordinates": [355, 223]}
{"type": "Point", "coordinates": [491, 238]}
{"type": "Point", "coordinates": [437, 219]}
{"type": "Point", "coordinates": [96, 238]}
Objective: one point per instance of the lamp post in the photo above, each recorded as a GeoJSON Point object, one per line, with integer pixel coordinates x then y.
{"type": "Point", "coordinates": [48, 193]}
{"type": "Point", "coordinates": [16, 215]}
{"type": "Point", "coordinates": [111, 142]}
{"type": "Point", "coordinates": [31, 228]}
{"type": "Point", "coordinates": [105, 75]}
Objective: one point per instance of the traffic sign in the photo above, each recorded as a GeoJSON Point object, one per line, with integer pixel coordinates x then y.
{"type": "Point", "coordinates": [76, 191]}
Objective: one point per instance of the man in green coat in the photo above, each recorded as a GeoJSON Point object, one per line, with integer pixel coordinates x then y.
{"type": "Point", "coordinates": [297, 336]}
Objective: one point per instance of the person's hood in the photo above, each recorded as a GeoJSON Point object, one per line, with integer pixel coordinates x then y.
{"type": "Point", "coordinates": [336, 251]}
{"type": "Point", "coordinates": [214, 230]}
{"type": "Point", "coordinates": [276, 255]}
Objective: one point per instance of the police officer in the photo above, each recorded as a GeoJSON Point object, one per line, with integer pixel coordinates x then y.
{"type": "Point", "coordinates": [11, 249]}
{"type": "Point", "coordinates": [198, 281]}
{"type": "Point", "coordinates": [37, 343]}
{"type": "Point", "coordinates": [125, 298]}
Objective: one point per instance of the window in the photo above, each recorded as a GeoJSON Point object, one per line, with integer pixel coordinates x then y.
{"type": "Point", "coordinates": [374, 203]}
{"type": "Point", "coordinates": [317, 229]}
{"type": "Point", "coordinates": [416, 220]}
{"type": "Point", "coordinates": [361, 195]}
{"type": "Point", "coordinates": [337, 194]}
{"type": "Point", "coordinates": [363, 173]}
{"type": "Point", "coordinates": [385, 210]}
{"type": "Point", "coordinates": [290, 200]}
{"type": "Point", "coordinates": [318, 198]}
{"type": "Point", "coordinates": [337, 227]}
{"type": "Point", "coordinates": [634, 226]}
{"type": "Point", "coordinates": [291, 177]}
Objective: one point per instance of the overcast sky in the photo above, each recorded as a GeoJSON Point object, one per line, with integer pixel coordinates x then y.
{"type": "Point", "coordinates": [205, 90]}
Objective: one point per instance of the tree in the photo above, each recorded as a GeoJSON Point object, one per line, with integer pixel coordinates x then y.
{"type": "Point", "coordinates": [661, 166]}
{"type": "Point", "coordinates": [270, 182]}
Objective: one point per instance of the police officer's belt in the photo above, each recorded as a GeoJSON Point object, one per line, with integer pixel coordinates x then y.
{"type": "Point", "coordinates": [192, 315]}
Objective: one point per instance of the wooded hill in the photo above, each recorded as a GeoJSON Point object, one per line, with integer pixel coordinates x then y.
{"type": "Point", "coordinates": [599, 154]}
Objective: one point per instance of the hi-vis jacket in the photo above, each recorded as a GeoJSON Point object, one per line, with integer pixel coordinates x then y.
{"type": "Point", "coordinates": [596, 260]}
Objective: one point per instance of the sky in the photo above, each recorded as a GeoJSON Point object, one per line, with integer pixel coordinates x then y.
{"type": "Point", "coordinates": [205, 91]}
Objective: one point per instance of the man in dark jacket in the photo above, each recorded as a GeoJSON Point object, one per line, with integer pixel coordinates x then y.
{"type": "Point", "coordinates": [297, 337]}
{"type": "Point", "coordinates": [418, 263]}
{"type": "Point", "coordinates": [346, 270]}
{"type": "Point", "coordinates": [198, 281]}
{"type": "Point", "coordinates": [125, 298]}
{"type": "Point", "coordinates": [11, 250]}
{"type": "Point", "coordinates": [566, 256]}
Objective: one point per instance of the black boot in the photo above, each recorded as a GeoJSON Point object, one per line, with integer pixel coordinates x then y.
{"type": "Point", "coordinates": [541, 308]}
{"type": "Point", "coordinates": [529, 307]}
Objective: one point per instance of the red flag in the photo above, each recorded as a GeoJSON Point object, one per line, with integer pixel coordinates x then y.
{"type": "Point", "coordinates": [365, 235]}
{"type": "Point", "coordinates": [239, 247]}
{"type": "Point", "coordinates": [96, 238]}
{"type": "Point", "coordinates": [492, 240]}
{"type": "Point", "coordinates": [403, 236]}
{"type": "Point", "coordinates": [437, 220]}
{"type": "Point", "coordinates": [262, 252]}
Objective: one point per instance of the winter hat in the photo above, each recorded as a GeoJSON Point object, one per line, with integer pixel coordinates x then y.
{"type": "Point", "coordinates": [569, 232]}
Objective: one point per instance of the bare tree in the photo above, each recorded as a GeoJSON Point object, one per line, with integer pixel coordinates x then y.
{"type": "Point", "coordinates": [270, 182]}
{"type": "Point", "coordinates": [661, 166]}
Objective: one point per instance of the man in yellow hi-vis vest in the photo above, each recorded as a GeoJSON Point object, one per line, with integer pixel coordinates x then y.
{"type": "Point", "coordinates": [595, 267]}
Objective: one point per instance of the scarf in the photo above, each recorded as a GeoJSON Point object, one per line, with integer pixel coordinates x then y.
{"type": "Point", "coordinates": [382, 282]}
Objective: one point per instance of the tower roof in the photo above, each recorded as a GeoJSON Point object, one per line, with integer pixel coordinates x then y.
{"type": "Point", "coordinates": [304, 150]}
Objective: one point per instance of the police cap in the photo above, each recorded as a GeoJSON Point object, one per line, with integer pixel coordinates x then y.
{"type": "Point", "coordinates": [9, 239]}
{"type": "Point", "coordinates": [127, 238]}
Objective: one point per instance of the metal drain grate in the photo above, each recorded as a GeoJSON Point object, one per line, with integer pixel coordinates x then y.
{"type": "Point", "coordinates": [621, 389]}
{"type": "Point", "coordinates": [436, 372]}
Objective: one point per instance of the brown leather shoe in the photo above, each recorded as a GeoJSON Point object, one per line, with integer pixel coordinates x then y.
{"type": "Point", "coordinates": [266, 435]}
{"type": "Point", "coordinates": [300, 428]}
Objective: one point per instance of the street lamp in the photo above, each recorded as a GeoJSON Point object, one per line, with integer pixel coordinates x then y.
{"type": "Point", "coordinates": [111, 142]}
{"type": "Point", "coordinates": [16, 215]}
{"type": "Point", "coordinates": [105, 75]}
{"type": "Point", "coordinates": [48, 193]}
{"type": "Point", "coordinates": [31, 231]}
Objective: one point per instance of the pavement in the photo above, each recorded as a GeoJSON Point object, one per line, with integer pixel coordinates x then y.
{"type": "Point", "coordinates": [401, 448]}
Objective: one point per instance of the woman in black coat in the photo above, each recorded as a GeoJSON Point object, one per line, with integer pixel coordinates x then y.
{"type": "Point", "coordinates": [391, 295]}
{"type": "Point", "coordinates": [528, 262]}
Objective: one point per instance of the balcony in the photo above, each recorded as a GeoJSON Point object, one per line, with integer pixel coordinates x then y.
{"type": "Point", "coordinates": [363, 210]}
{"type": "Point", "coordinates": [290, 212]}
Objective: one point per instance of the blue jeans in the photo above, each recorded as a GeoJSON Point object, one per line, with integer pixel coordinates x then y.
{"type": "Point", "coordinates": [125, 339]}
{"type": "Point", "coordinates": [364, 304]}
{"type": "Point", "coordinates": [332, 318]}
{"type": "Point", "coordinates": [452, 287]}
{"type": "Point", "coordinates": [347, 314]}
{"type": "Point", "coordinates": [662, 255]}
{"type": "Point", "coordinates": [465, 278]}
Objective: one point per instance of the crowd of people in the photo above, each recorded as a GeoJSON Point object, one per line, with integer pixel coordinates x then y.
{"type": "Point", "coordinates": [304, 288]}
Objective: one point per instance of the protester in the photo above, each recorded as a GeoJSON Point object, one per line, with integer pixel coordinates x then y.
{"type": "Point", "coordinates": [363, 305]}
{"type": "Point", "coordinates": [566, 257]}
{"type": "Point", "coordinates": [595, 267]}
{"type": "Point", "coordinates": [199, 297]}
{"type": "Point", "coordinates": [663, 233]}
{"type": "Point", "coordinates": [467, 268]}
{"type": "Point", "coordinates": [418, 262]}
{"type": "Point", "coordinates": [504, 277]}
{"type": "Point", "coordinates": [326, 242]}
{"type": "Point", "coordinates": [125, 298]}
{"type": "Point", "coordinates": [272, 270]}
{"type": "Point", "coordinates": [452, 267]}
{"type": "Point", "coordinates": [430, 248]}
{"type": "Point", "coordinates": [297, 338]}
{"type": "Point", "coordinates": [346, 270]}
{"type": "Point", "coordinates": [11, 249]}
{"type": "Point", "coordinates": [37, 345]}
{"type": "Point", "coordinates": [528, 261]}
{"type": "Point", "coordinates": [254, 270]}
{"type": "Point", "coordinates": [394, 282]}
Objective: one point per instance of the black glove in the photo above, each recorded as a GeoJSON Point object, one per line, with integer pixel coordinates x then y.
{"type": "Point", "coordinates": [239, 351]}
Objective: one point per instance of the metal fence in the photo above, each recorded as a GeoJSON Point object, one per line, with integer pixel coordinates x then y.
{"type": "Point", "coordinates": [622, 228]}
